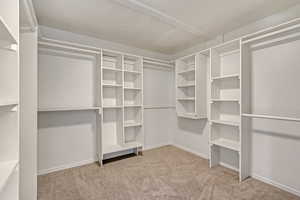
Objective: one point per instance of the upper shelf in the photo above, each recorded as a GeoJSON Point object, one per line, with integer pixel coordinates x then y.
{"type": "Point", "coordinates": [6, 34]}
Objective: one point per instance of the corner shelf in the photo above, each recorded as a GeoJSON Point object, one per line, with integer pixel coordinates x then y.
{"type": "Point", "coordinates": [54, 109]}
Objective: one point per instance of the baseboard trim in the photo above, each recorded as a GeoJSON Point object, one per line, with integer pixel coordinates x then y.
{"type": "Point", "coordinates": [229, 166]}
{"type": "Point", "coordinates": [157, 146]}
{"type": "Point", "coordinates": [66, 166]}
{"type": "Point", "coordinates": [190, 151]}
{"type": "Point", "coordinates": [276, 184]}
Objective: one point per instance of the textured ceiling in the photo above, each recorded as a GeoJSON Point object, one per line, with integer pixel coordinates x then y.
{"type": "Point", "coordinates": [165, 26]}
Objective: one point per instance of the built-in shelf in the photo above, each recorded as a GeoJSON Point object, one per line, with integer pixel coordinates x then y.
{"type": "Point", "coordinates": [6, 170]}
{"type": "Point", "coordinates": [225, 100]}
{"type": "Point", "coordinates": [53, 109]}
{"type": "Point", "coordinates": [132, 88]}
{"type": "Point", "coordinates": [118, 148]}
{"type": "Point", "coordinates": [132, 124]}
{"type": "Point", "coordinates": [112, 107]}
{"type": "Point", "coordinates": [186, 99]}
{"type": "Point", "coordinates": [133, 106]}
{"type": "Point", "coordinates": [228, 123]}
{"type": "Point", "coordinates": [112, 69]}
{"type": "Point", "coordinates": [226, 143]}
{"type": "Point", "coordinates": [112, 85]}
{"type": "Point", "coordinates": [132, 72]}
{"type": "Point", "coordinates": [191, 116]}
{"type": "Point", "coordinates": [187, 71]}
{"type": "Point", "coordinates": [187, 85]}
{"type": "Point", "coordinates": [8, 103]}
{"type": "Point", "coordinates": [226, 77]}
{"type": "Point", "coordinates": [6, 34]}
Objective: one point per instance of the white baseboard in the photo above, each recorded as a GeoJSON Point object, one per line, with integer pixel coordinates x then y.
{"type": "Point", "coordinates": [276, 184]}
{"type": "Point", "coordinates": [228, 166]}
{"type": "Point", "coordinates": [191, 151]}
{"type": "Point", "coordinates": [157, 146]}
{"type": "Point", "coordinates": [66, 166]}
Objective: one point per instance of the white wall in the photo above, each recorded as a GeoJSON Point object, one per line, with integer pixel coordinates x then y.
{"type": "Point", "coordinates": [28, 116]}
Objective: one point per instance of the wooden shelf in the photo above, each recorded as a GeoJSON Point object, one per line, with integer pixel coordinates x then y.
{"type": "Point", "coordinates": [117, 148]}
{"type": "Point", "coordinates": [226, 77]}
{"type": "Point", "coordinates": [228, 123]}
{"type": "Point", "coordinates": [54, 109]}
{"type": "Point", "coordinates": [6, 34]}
{"type": "Point", "coordinates": [226, 143]}
{"type": "Point", "coordinates": [132, 124]}
{"type": "Point", "coordinates": [6, 170]}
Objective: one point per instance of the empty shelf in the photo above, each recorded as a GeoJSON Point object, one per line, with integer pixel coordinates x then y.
{"type": "Point", "coordinates": [187, 85]}
{"type": "Point", "coordinates": [117, 148]}
{"type": "Point", "coordinates": [5, 33]}
{"type": "Point", "coordinates": [226, 77]}
{"type": "Point", "coordinates": [187, 71]}
{"type": "Point", "coordinates": [225, 100]}
{"type": "Point", "coordinates": [132, 106]}
{"type": "Point", "coordinates": [112, 69]}
{"type": "Point", "coordinates": [8, 103]}
{"type": "Point", "coordinates": [229, 123]}
{"type": "Point", "coordinates": [132, 72]}
{"type": "Point", "coordinates": [112, 107]}
{"type": "Point", "coordinates": [190, 116]}
{"type": "Point", "coordinates": [226, 143]}
{"type": "Point", "coordinates": [186, 99]}
{"type": "Point", "coordinates": [131, 88]}
{"type": "Point", "coordinates": [6, 170]}
{"type": "Point", "coordinates": [132, 124]}
{"type": "Point", "coordinates": [112, 85]}
{"type": "Point", "coordinates": [68, 109]}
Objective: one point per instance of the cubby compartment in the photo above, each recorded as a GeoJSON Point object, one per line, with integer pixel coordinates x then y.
{"type": "Point", "coordinates": [132, 97]}
{"type": "Point", "coordinates": [225, 111]}
{"type": "Point", "coordinates": [112, 129]}
{"type": "Point", "coordinates": [132, 116]}
{"type": "Point", "coordinates": [112, 78]}
{"type": "Point", "coordinates": [186, 107]}
{"type": "Point", "coordinates": [132, 81]}
{"type": "Point", "coordinates": [111, 60]}
{"type": "Point", "coordinates": [133, 134]}
{"type": "Point", "coordinates": [112, 96]}
{"type": "Point", "coordinates": [132, 64]}
{"type": "Point", "coordinates": [226, 89]}
{"type": "Point", "coordinates": [186, 92]}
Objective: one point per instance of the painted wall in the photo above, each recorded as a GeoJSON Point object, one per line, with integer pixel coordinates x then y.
{"type": "Point", "coordinates": [28, 116]}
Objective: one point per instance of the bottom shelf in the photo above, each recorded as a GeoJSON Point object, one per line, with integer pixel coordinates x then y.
{"type": "Point", "coordinates": [226, 143]}
{"type": "Point", "coordinates": [6, 170]}
{"type": "Point", "coordinates": [117, 148]}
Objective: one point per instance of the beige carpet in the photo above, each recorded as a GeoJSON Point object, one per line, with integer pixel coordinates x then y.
{"type": "Point", "coordinates": [161, 174]}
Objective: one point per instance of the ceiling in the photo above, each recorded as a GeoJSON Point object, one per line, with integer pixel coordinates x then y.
{"type": "Point", "coordinates": [165, 26]}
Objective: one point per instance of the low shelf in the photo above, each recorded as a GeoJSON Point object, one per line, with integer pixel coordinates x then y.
{"type": "Point", "coordinates": [226, 143]}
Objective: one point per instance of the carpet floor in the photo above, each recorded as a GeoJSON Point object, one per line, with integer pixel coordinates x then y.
{"type": "Point", "coordinates": [165, 173]}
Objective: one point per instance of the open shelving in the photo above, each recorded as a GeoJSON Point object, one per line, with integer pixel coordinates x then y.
{"type": "Point", "coordinates": [191, 85]}
{"type": "Point", "coordinates": [225, 108]}
{"type": "Point", "coordinates": [122, 100]}
{"type": "Point", "coordinates": [9, 102]}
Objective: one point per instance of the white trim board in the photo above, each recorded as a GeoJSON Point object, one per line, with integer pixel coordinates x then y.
{"type": "Point", "coordinates": [31, 16]}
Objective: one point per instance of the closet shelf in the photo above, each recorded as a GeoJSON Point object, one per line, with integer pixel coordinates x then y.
{"type": "Point", "coordinates": [68, 109]}
{"type": "Point", "coordinates": [6, 34]}
{"type": "Point", "coordinates": [132, 72]}
{"type": "Point", "coordinates": [191, 116]}
{"type": "Point", "coordinates": [112, 85]}
{"type": "Point", "coordinates": [225, 100]}
{"type": "Point", "coordinates": [226, 143]}
{"type": "Point", "coordinates": [117, 148]}
{"type": "Point", "coordinates": [186, 99]}
{"type": "Point", "coordinates": [187, 85]}
{"type": "Point", "coordinates": [226, 77]}
{"type": "Point", "coordinates": [112, 69]}
{"type": "Point", "coordinates": [186, 71]}
{"type": "Point", "coordinates": [8, 103]}
{"type": "Point", "coordinates": [131, 88]}
{"type": "Point", "coordinates": [132, 124]}
{"type": "Point", "coordinates": [6, 170]}
{"type": "Point", "coordinates": [132, 106]}
{"type": "Point", "coordinates": [112, 107]}
{"type": "Point", "coordinates": [229, 123]}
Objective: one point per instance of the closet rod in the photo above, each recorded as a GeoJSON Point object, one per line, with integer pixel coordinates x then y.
{"type": "Point", "coordinates": [49, 44]}
{"type": "Point", "coordinates": [271, 117]}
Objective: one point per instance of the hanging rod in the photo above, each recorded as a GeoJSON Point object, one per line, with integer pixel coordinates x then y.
{"type": "Point", "coordinates": [271, 117]}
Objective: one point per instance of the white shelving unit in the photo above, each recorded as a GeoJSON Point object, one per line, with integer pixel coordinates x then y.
{"type": "Point", "coordinates": [225, 106]}
{"type": "Point", "coordinates": [191, 78]}
{"type": "Point", "coordinates": [122, 119]}
{"type": "Point", "coordinates": [9, 101]}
